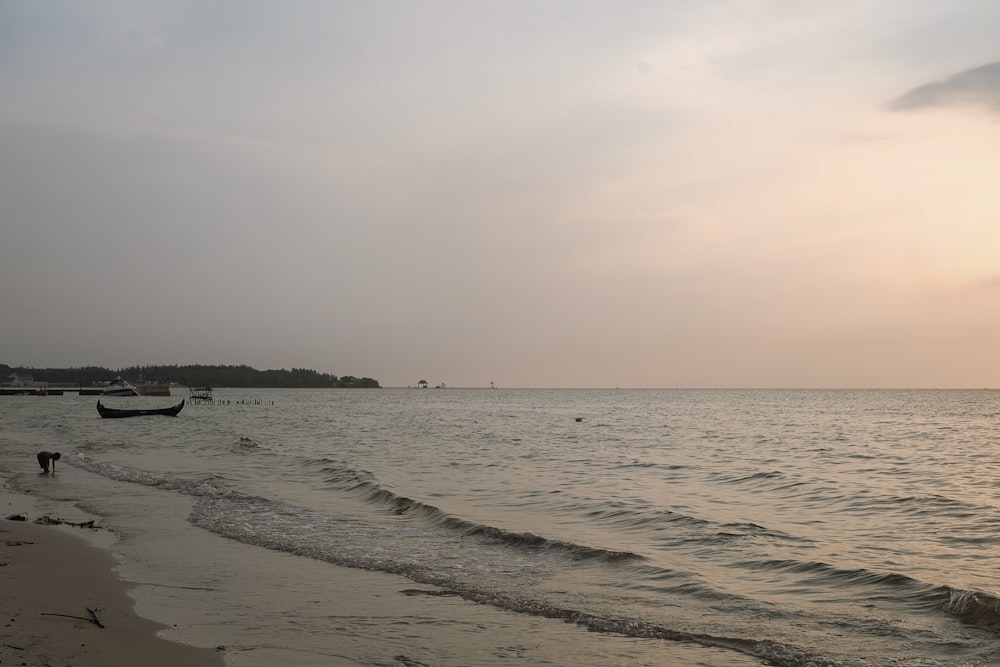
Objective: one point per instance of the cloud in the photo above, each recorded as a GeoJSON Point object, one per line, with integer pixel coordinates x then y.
{"type": "Point", "coordinates": [976, 86]}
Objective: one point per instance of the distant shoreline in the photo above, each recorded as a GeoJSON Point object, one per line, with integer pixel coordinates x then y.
{"type": "Point", "coordinates": [193, 375]}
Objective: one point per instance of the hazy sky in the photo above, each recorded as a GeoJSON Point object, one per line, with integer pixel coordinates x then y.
{"type": "Point", "coordinates": [679, 193]}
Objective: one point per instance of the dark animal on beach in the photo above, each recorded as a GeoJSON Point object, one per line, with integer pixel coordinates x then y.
{"type": "Point", "coordinates": [45, 457]}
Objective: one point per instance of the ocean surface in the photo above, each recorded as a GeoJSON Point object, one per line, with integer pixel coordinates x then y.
{"type": "Point", "coordinates": [447, 527]}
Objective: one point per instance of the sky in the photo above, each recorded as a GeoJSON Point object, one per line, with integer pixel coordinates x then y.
{"type": "Point", "coordinates": [543, 193]}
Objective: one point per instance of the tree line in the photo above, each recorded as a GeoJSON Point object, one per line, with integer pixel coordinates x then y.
{"type": "Point", "coordinates": [195, 375]}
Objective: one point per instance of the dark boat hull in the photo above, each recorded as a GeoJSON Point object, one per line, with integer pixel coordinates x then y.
{"type": "Point", "coordinates": [114, 413]}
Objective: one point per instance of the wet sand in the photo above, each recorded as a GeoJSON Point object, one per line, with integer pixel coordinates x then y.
{"type": "Point", "coordinates": [49, 578]}
{"type": "Point", "coordinates": [266, 607]}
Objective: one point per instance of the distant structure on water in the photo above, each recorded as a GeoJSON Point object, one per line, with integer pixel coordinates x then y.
{"type": "Point", "coordinates": [423, 385]}
{"type": "Point", "coordinates": [200, 394]}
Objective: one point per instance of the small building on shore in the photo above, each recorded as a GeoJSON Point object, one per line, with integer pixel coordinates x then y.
{"type": "Point", "coordinates": [19, 385]}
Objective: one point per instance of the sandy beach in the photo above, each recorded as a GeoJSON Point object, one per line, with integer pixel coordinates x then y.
{"type": "Point", "coordinates": [51, 578]}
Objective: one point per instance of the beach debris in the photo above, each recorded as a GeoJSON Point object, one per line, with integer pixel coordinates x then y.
{"type": "Point", "coordinates": [46, 520]}
{"type": "Point", "coordinates": [94, 618]}
{"type": "Point", "coordinates": [417, 591]}
{"type": "Point", "coordinates": [409, 662]}
{"type": "Point", "coordinates": [17, 517]}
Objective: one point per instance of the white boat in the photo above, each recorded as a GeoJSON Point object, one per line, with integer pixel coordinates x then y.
{"type": "Point", "coordinates": [119, 387]}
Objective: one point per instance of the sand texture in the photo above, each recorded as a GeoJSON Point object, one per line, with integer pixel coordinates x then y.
{"type": "Point", "coordinates": [49, 579]}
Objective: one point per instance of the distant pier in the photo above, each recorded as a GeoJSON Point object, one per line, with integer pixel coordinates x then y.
{"type": "Point", "coordinates": [39, 390]}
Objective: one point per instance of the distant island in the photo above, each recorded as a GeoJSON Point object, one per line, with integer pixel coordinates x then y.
{"type": "Point", "coordinates": [193, 375]}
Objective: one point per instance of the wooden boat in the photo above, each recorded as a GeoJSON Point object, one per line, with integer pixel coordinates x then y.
{"type": "Point", "coordinates": [114, 413]}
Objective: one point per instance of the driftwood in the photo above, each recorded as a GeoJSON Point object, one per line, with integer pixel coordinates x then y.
{"type": "Point", "coordinates": [409, 662]}
{"type": "Point", "coordinates": [94, 618]}
{"type": "Point", "coordinates": [416, 591]}
{"type": "Point", "coordinates": [49, 521]}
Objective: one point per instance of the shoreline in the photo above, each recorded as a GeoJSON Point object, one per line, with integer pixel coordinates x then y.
{"type": "Point", "coordinates": [51, 576]}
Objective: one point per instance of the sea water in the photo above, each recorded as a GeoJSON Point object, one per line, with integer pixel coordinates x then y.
{"type": "Point", "coordinates": [564, 527]}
